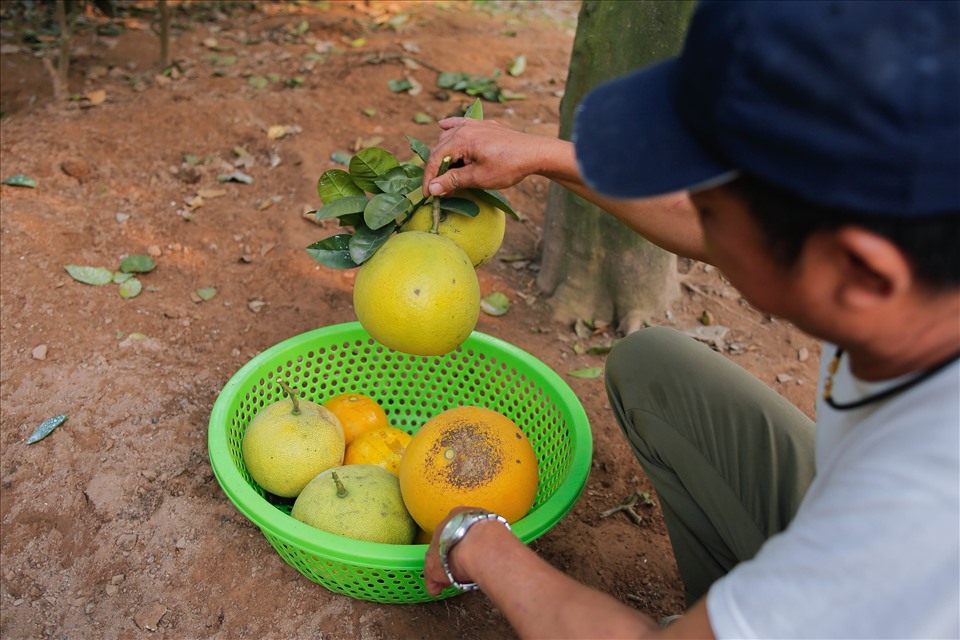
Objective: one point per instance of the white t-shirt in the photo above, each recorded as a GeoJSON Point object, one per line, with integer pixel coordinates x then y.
{"type": "Point", "coordinates": [874, 550]}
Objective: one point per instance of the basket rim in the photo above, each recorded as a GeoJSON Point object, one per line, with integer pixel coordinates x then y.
{"type": "Point", "coordinates": [322, 544]}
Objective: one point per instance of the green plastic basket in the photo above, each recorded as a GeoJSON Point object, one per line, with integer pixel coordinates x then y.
{"type": "Point", "coordinates": [484, 371]}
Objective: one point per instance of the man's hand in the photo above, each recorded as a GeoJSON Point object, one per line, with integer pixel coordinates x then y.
{"type": "Point", "coordinates": [492, 156]}
{"type": "Point", "coordinates": [433, 573]}
{"type": "Point", "coordinates": [488, 155]}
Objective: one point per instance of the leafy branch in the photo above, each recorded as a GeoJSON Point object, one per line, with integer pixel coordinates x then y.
{"type": "Point", "coordinates": [377, 194]}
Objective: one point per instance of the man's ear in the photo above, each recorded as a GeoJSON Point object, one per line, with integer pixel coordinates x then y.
{"type": "Point", "coordinates": [874, 269]}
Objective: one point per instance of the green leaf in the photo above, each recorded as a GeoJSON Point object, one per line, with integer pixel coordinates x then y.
{"type": "Point", "coordinates": [495, 199]}
{"type": "Point", "coordinates": [46, 428]}
{"type": "Point", "coordinates": [495, 304]}
{"type": "Point", "coordinates": [350, 219]}
{"type": "Point", "coordinates": [471, 84]}
{"type": "Point", "coordinates": [413, 171]}
{"type": "Point", "coordinates": [333, 252]}
{"type": "Point", "coordinates": [341, 207]}
{"type": "Point", "coordinates": [138, 264]}
{"type": "Point", "coordinates": [507, 96]}
{"type": "Point", "coordinates": [21, 180]}
{"type": "Point", "coordinates": [422, 118]}
{"type": "Point", "coordinates": [397, 180]}
{"type": "Point", "coordinates": [369, 112]}
{"type": "Point", "coordinates": [236, 176]}
{"type": "Point", "coordinates": [120, 278]}
{"type": "Point", "coordinates": [341, 157]}
{"type": "Point", "coordinates": [591, 372]}
{"type": "Point", "coordinates": [206, 293]}
{"type": "Point", "coordinates": [335, 184]}
{"type": "Point", "coordinates": [384, 209]}
{"type": "Point", "coordinates": [90, 275]}
{"type": "Point", "coordinates": [460, 205]}
{"type": "Point", "coordinates": [519, 66]}
{"type": "Point", "coordinates": [416, 196]}
{"type": "Point", "coordinates": [369, 164]}
{"type": "Point", "coordinates": [130, 288]}
{"type": "Point", "coordinates": [222, 61]}
{"type": "Point", "coordinates": [475, 111]}
{"type": "Point", "coordinates": [257, 82]}
{"type": "Point", "coordinates": [419, 148]}
{"type": "Point", "coordinates": [366, 241]}
{"type": "Point", "coordinates": [448, 80]}
{"type": "Point", "coordinates": [399, 86]}
{"type": "Point", "coordinates": [601, 349]}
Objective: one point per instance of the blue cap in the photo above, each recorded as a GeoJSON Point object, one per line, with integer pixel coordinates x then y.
{"type": "Point", "coordinates": [849, 104]}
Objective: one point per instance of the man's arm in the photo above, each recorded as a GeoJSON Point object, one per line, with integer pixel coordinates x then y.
{"type": "Point", "coordinates": [495, 157]}
{"type": "Point", "coordinates": [541, 602]}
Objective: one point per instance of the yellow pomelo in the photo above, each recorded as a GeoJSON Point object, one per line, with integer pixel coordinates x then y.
{"type": "Point", "coordinates": [418, 294]}
{"type": "Point", "coordinates": [479, 237]}
{"type": "Point", "coordinates": [289, 442]}
{"type": "Point", "coordinates": [359, 501]}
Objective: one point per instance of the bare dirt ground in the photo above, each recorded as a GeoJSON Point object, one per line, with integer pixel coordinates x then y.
{"type": "Point", "coordinates": [114, 525]}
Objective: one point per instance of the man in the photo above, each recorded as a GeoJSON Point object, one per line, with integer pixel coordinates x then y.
{"type": "Point", "coordinates": [811, 151]}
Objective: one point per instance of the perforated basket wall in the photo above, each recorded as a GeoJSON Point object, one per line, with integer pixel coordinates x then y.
{"type": "Point", "coordinates": [319, 364]}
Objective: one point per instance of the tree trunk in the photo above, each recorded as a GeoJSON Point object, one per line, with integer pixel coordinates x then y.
{"type": "Point", "coordinates": [164, 34]}
{"type": "Point", "coordinates": [594, 267]}
{"type": "Point", "coordinates": [65, 23]}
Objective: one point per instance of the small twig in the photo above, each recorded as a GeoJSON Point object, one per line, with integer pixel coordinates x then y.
{"type": "Point", "coordinates": [698, 290]}
{"type": "Point", "coordinates": [627, 506]}
{"type": "Point", "coordinates": [436, 201]}
{"type": "Point", "coordinates": [380, 57]}
{"type": "Point", "coordinates": [54, 79]}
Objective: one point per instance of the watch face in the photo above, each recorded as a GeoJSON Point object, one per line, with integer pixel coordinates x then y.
{"type": "Point", "coordinates": [455, 523]}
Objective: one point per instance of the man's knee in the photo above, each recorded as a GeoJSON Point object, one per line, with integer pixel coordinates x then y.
{"type": "Point", "coordinates": [642, 356]}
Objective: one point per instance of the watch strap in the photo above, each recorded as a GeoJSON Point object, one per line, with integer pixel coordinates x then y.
{"type": "Point", "coordinates": [454, 531]}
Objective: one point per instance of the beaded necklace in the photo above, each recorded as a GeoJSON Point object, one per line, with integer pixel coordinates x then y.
{"type": "Point", "coordinates": [877, 397]}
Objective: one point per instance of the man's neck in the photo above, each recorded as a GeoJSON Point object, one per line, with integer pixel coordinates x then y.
{"type": "Point", "coordinates": [928, 337]}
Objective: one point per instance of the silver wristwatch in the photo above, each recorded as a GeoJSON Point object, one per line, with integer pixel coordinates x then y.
{"type": "Point", "coordinates": [454, 531]}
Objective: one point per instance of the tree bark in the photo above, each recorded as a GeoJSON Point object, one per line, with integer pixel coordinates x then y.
{"type": "Point", "coordinates": [594, 267]}
{"type": "Point", "coordinates": [65, 24]}
{"type": "Point", "coordinates": [164, 34]}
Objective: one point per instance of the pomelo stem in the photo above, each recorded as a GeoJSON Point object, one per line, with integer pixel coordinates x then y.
{"type": "Point", "coordinates": [341, 490]}
{"type": "Point", "coordinates": [436, 216]}
{"type": "Point", "coordinates": [293, 397]}
{"type": "Point", "coordinates": [444, 165]}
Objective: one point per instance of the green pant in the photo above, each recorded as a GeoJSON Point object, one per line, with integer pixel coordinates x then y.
{"type": "Point", "coordinates": [730, 459]}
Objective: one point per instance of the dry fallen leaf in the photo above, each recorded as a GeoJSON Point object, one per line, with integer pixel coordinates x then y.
{"type": "Point", "coordinates": [148, 618]}
{"type": "Point", "coordinates": [95, 98]}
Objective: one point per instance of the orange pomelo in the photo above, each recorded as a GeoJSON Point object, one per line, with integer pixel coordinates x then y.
{"type": "Point", "coordinates": [423, 537]}
{"type": "Point", "coordinates": [468, 456]}
{"type": "Point", "coordinates": [383, 447]}
{"type": "Point", "coordinates": [357, 413]}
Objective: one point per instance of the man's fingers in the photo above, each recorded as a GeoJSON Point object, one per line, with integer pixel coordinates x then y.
{"type": "Point", "coordinates": [452, 180]}
{"type": "Point", "coordinates": [450, 123]}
